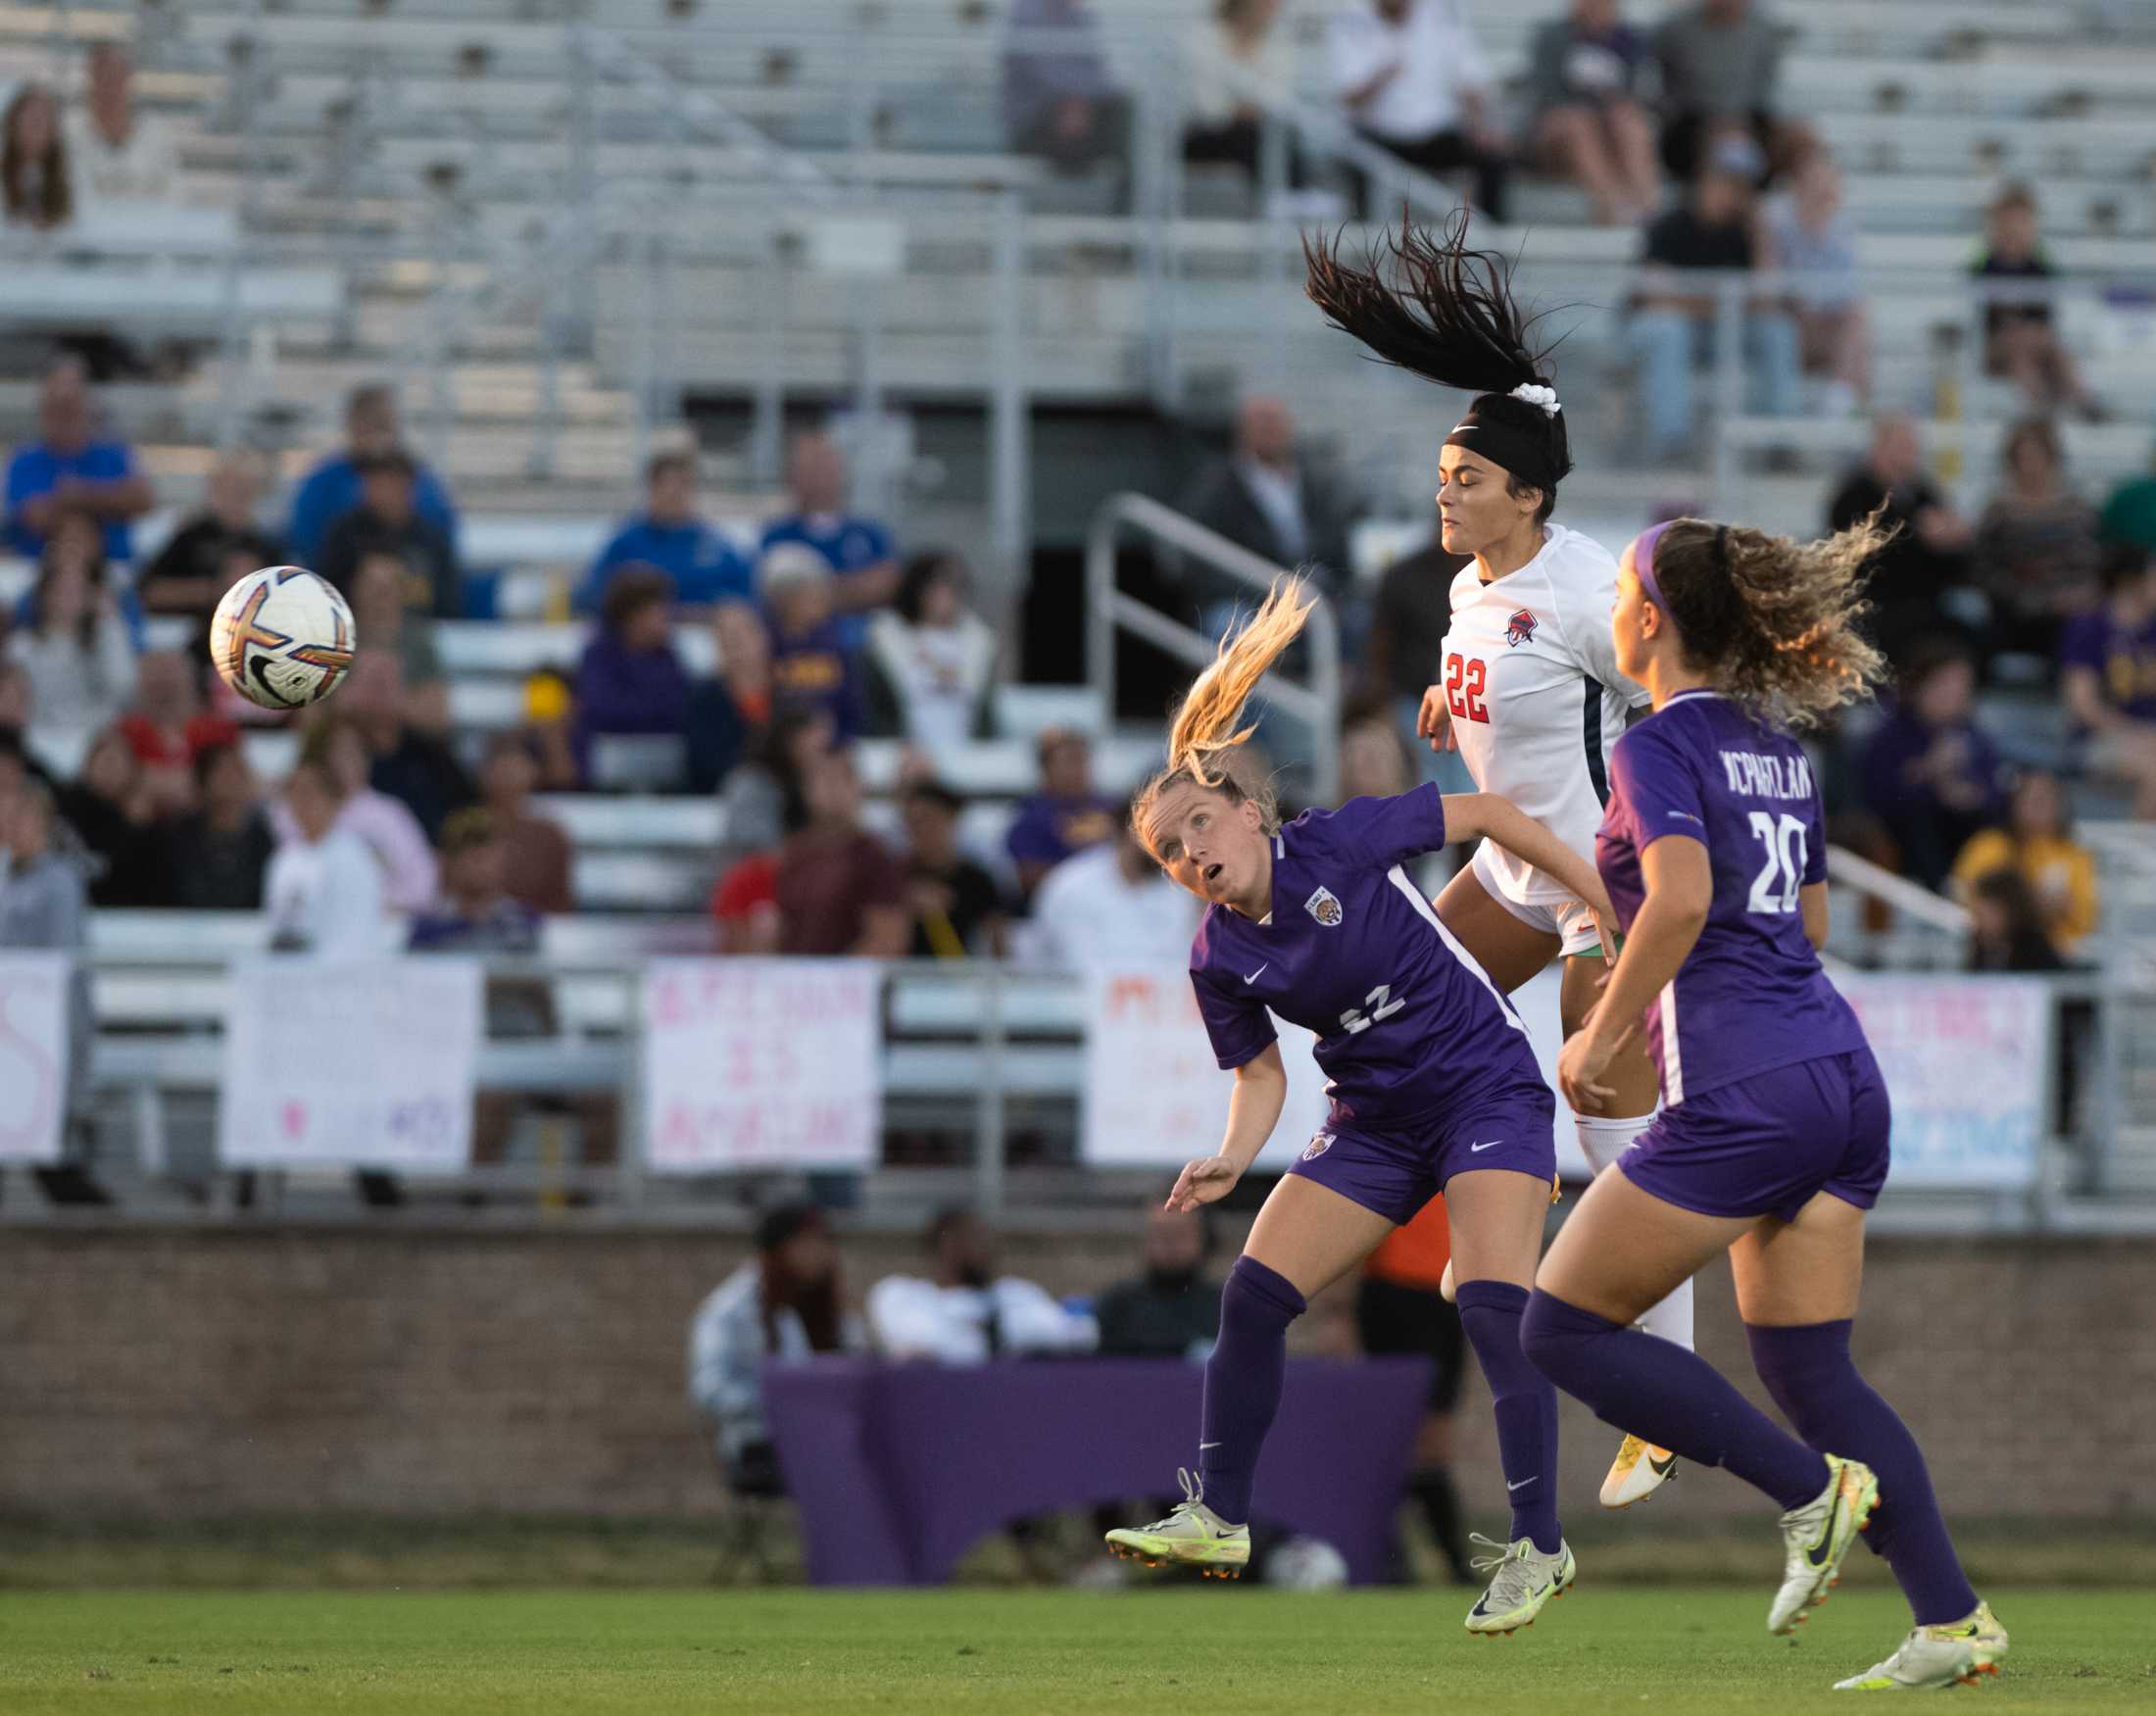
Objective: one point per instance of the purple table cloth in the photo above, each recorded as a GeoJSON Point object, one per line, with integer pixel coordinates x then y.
{"type": "Point", "coordinates": [899, 1469]}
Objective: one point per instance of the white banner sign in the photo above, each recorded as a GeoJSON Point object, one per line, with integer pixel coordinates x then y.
{"type": "Point", "coordinates": [1964, 1059]}
{"type": "Point", "coordinates": [1155, 1095]}
{"type": "Point", "coordinates": [33, 1056]}
{"type": "Point", "coordinates": [762, 1064]}
{"type": "Point", "coordinates": [350, 1063]}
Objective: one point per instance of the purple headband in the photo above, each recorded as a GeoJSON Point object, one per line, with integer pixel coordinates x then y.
{"type": "Point", "coordinates": [1643, 561]}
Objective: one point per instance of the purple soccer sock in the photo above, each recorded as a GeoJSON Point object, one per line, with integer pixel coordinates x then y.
{"type": "Point", "coordinates": [1242, 1379]}
{"type": "Point", "coordinates": [1813, 1379]}
{"type": "Point", "coordinates": [1655, 1389]}
{"type": "Point", "coordinates": [1526, 1407]}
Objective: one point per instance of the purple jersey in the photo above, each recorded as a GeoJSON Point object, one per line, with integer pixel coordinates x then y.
{"type": "Point", "coordinates": [1750, 996]}
{"type": "Point", "coordinates": [1405, 1020]}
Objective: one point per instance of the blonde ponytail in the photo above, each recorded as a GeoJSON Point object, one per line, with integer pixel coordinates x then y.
{"type": "Point", "coordinates": [1204, 739]}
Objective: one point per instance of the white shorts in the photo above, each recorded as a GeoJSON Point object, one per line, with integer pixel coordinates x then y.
{"type": "Point", "coordinates": [1568, 920]}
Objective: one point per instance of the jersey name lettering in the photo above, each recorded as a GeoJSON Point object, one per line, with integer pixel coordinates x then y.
{"type": "Point", "coordinates": [1755, 776]}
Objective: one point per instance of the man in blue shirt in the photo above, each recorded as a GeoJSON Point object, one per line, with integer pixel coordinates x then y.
{"type": "Point", "coordinates": [332, 488]}
{"type": "Point", "coordinates": [670, 536]}
{"type": "Point", "coordinates": [65, 470]}
{"type": "Point", "coordinates": [859, 550]}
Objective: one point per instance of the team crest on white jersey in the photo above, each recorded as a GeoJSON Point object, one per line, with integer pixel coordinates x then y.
{"type": "Point", "coordinates": [1317, 1147]}
{"type": "Point", "coordinates": [1324, 906]}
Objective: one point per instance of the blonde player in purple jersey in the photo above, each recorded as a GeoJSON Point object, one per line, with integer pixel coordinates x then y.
{"type": "Point", "coordinates": [1434, 1087]}
{"type": "Point", "coordinates": [1772, 1142]}
{"type": "Point", "coordinates": [1529, 692]}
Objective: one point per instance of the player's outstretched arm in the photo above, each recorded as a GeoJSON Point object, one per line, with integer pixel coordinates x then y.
{"type": "Point", "coordinates": [1476, 816]}
{"type": "Point", "coordinates": [1260, 1092]}
{"type": "Point", "coordinates": [1680, 884]}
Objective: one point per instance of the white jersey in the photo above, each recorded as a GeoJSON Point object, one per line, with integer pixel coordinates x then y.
{"type": "Point", "coordinates": [1531, 678]}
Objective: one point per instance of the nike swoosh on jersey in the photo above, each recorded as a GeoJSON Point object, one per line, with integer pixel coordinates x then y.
{"type": "Point", "coordinates": [1259, 973]}
{"type": "Point", "coordinates": [1478, 1148]}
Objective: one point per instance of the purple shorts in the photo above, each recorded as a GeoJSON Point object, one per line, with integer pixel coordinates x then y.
{"type": "Point", "coordinates": [1395, 1171]}
{"type": "Point", "coordinates": [1766, 1145]}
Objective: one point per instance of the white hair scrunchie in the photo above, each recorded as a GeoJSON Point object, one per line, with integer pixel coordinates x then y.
{"type": "Point", "coordinates": [1534, 393]}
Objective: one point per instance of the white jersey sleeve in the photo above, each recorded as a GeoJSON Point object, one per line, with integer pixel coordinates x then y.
{"type": "Point", "coordinates": [1584, 602]}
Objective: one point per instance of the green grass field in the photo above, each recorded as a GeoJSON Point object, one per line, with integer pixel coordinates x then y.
{"type": "Point", "coordinates": [1668, 1649]}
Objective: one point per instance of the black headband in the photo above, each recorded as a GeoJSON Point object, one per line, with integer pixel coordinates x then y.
{"type": "Point", "coordinates": [1527, 452]}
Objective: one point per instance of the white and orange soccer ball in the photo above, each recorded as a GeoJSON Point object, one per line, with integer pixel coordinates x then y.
{"type": "Point", "coordinates": [282, 637]}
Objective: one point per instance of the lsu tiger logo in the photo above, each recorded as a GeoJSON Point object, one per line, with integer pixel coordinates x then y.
{"type": "Point", "coordinates": [1324, 906]}
{"type": "Point", "coordinates": [1520, 628]}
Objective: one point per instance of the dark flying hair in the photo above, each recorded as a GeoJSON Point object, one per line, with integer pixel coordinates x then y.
{"type": "Point", "coordinates": [1430, 305]}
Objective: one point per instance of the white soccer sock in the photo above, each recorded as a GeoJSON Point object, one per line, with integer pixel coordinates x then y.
{"type": "Point", "coordinates": [1603, 1142]}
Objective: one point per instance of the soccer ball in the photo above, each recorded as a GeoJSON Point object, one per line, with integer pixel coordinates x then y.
{"type": "Point", "coordinates": [282, 637]}
{"type": "Point", "coordinates": [1307, 1564]}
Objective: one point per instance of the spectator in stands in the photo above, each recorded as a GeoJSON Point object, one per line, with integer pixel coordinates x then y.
{"type": "Point", "coordinates": [1066, 814]}
{"type": "Point", "coordinates": [388, 521]}
{"type": "Point", "coordinates": [1375, 760]}
{"type": "Point", "coordinates": [2108, 658]}
{"type": "Point", "coordinates": [16, 709]}
{"type": "Point", "coordinates": [324, 891]}
{"type": "Point", "coordinates": [2006, 930]}
{"type": "Point", "coordinates": [385, 827]}
{"type": "Point", "coordinates": [2020, 336]}
{"type": "Point", "coordinates": [1110, 906]}
{"type": "Point", "coordinates": [379, 615]}
{"type": "Point", "coordinates": [957, 909]}
{"type": "Point", "coordinates": [1401, 1310]}
{"type": "Point", "coordinates": [859, 550]}
{"type": "Point", "coordinates": [1410, 617]}
{"type": "Point", "coordinates": [2037, 844]}
{"type": "Point", "coordinates": [167, 727]}
{"type": "Point", "coordinates": [2130, 514]}
{"type": "Point", "coordinates": [214, 548]}
{"type": "Point", "coordinates": [550, 728]}
{"type": "Point", "coordinates": [1414, 82]}
{"type": "Point", "coordinates": [476, 913]}
{"type": "Point", "coordinates": [1225, 123]}
{"type": "Point", "coordinates": [813, 664]}
{"type": "Point", "coordinates": [727, 710]}
{"type": "Point", "coordinates": [1932, 775]}
{"type": "Point", "coordinates": [1586, 81]}
{"type": "Point", "coordinates": [112, 812]}
{"type": "Point", "coordinates": [2037, 552]}
{"type": "Point", "coordinates": [122, 159]}
{"type": "Point", "coordinates": [536, 852]}
{"type": "Point", "coordinates": [1721, 62]}
{"type": "Point", "coordinates": [35, 182]}
{"type": "Point", "coordinates": [765, 798]}
{"type": "Point", "coordinates": [929, 672]}
{"type": "Point", "coordinates": [74, 645]}
{"type": "Point", "coordinates": [631, 680]}
{"type": "Point", "coordinates": [219, 854]}
{"type": "Point", "coordinates": [840, 890]}
{"type": "Point", "coordinates": [1916, 577]}
{"type": "Point", "coordinates": [417, 769]}
{"type": "Point", "coordinates": [783, 1304]}
{"type": "Point", "coordinates": [670, 537]}
{"type": "Point", "coordinates": [1059, 98]}
{"type": "Point", "coordinates": [1169, 1310]}
{"type": "Point", "coordinates": [1810, 233]}
{"type": "Point", "coordinates": [967, 1313]}
{"type": "Point", "coordinates": [67, 471]}
{"type": "Point", "coordinates": [333, 487]}
{"type": "Point", "coordinates": [42, 909]}
{"type": "Point", "coordinates": [1673, 327]}
{"type": "Point", "coordinates": [1263, 495]}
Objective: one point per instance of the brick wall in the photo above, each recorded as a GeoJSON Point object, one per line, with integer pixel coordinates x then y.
{"type": "Point", "coordinates": [190, 1374]}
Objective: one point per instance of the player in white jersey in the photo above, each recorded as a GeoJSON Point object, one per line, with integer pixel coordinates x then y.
{"type": "Point", "coordinates": [1529, 692]}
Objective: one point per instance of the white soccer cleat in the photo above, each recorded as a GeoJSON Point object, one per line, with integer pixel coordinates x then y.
{"type": "Point", "coordinates": [1641, 1468]}
{"type": "Point", "coordinates": [1931, 1657]}
{"type": "Point", "coordinates": [1816, 1536]}
{"type": "Point", "coordinates": [1522, 1580]}
{"type": "Point", "coordinates": [1192, 1536]}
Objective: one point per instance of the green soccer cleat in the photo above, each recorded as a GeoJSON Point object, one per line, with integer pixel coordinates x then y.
{"type": "Point", "coordinates": [1956, 1653]}
{"type": "Point", "coordinates": [1817, 1537]}
{"type": "Point", "coordinates": [1522, 1580]}
{"type": "Point", "coordinates": [1192, 1536]}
